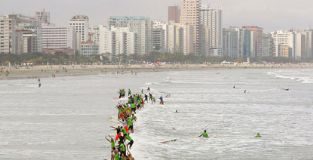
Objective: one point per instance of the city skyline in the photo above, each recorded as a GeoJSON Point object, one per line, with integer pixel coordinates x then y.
{"type": "Point", "coordinates": [271, 15]}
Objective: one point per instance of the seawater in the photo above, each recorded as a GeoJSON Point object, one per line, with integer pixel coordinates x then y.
{"type": "Point", "coordinates": [69, 117]}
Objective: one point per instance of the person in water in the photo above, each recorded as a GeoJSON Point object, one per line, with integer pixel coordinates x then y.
{"type": "Point", "coordinates": [129, 92]}
{"type": "Point", "coordinates": [146, 98]}
{"type": "Point", "coordinates": [161, 100]}
{"type": "Point", "coordinates": [258, 135]}
{"type": "Point", "coordinates": [204, 134]}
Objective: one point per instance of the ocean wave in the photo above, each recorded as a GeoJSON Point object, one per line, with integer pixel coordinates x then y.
{"type": "Point", "coordinates": [293, 76]}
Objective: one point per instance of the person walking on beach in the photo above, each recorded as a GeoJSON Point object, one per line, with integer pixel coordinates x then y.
{"type": "Point", "coordinates": [204, 134]}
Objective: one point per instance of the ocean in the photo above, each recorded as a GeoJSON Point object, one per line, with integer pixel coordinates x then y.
{"type": "Point", "coordinates": [69, 117]}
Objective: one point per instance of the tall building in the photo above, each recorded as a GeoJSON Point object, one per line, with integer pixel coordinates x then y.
{"type": "Point", "coordinates": [43, 17]}
{"type": "Point", "coordinates": [179, 39]}
{"type": "Point", "coordinates": [190, 15]}
{"type": "Point", "coordinates": [25, 42]}
{"type": "Point", "coordinates": [7, 32]}
{"type": "Point", "coordinates": [116, 41]}
{"type": "Point", "coordinates": [54, 37]}
{"type": "Point", "coordinates": [9, 25]}
{"type": "Point", "coordinates": [283, 44]}
{"type": "Point", "coordinates": [299, 44]}
{"type": "Point", "coordinates": [174, 14]}
{"type": "Point", "coordinates": [267, 45]}
{"type": "Point", "coordinates": [211, 32]}
{"type": "Point", "coordinates": [141, 26]}
{"type": "Point", "coordinates": [253, 34]}
{"type": "Point", "coordinates": [159, 35]}
{"type": "Point", "coordinates": [80, 24]}
{"type": "Point", "coordinates": [231, 42]}
{"type": "Point", "coordinates": [105, 41]}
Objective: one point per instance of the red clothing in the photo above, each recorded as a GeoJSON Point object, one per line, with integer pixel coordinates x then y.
{"type": "Point", "coordinates": [118, 136]}
{"type": "Point", "coordinates": [126, 128]}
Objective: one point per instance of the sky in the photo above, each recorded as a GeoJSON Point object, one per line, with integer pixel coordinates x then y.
{"type": "Point", "coordinates": [269, 14]}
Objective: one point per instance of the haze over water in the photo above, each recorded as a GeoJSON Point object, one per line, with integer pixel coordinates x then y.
{"type": "Point", "coordinates": [69, 117]}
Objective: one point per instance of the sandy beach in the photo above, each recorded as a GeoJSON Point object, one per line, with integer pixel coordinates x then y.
{"type": "Point", "coordinates": [25, 72]}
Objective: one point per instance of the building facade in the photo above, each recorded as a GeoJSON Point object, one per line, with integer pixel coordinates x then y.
{"type": "Point", "coordinates": [80, 25]}
{"type": "Point", "coordinates": [231, 42]}
{"type": "Point", "coordinates": [190, 16]}
{"type": "Point", "coordinates": [283, 44]}
{"type": "Point", "coordinates": [211, 32]}
{"type": "Point", "coordinates": [174, 14]}
{"type": "Point", "coordinates": [141, 26]}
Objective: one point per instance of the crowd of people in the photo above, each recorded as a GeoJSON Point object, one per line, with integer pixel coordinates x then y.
{"type": "Point", "coordinates": [123, 142]}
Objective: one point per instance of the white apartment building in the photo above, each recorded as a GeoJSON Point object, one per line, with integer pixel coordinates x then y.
{"type": "Point", "coordinates": [159, 36]}
{"type": "Point", "coordinates": [283, 43]}
{"type": "Point", "coordinates": [80, 24]}
{"type": "Point", "coordinates": [54, 37]}
{"type": "Point", "coordinates": [179, 38]}
{"type": "Point", "coordinates": [211, 28]}
{"type": "Point", "coordinates": [116, 41]}
{"type": "Point", "coordinates": [7, 31]}
{"type": "Point", "coordinates": [141, 26]}
{"type": "Point", "coordinates": [105, 40]}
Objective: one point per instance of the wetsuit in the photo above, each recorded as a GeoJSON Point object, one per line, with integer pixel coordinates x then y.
{"type": "Point", "coordinates": [205, 135]}
{"type": "Point", "coordinates": [122, 149]}
{"type": "Point", "coordinates": [130, 123]}
{"type": "Point", "coordinates": [131, 141]}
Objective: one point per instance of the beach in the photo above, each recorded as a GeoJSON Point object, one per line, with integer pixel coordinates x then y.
{"type": "Point", "coordinates": [40, 71]}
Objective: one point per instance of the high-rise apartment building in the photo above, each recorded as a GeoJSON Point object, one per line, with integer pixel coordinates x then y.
{"type": "Point", "coordinates": [283, 43]}
{"type": "Point", "coordinates": [211, 32]}
{"type": "Point", "coordinates": [141, 26]}
{"type": "Point", "coordinates": [116, 41]}
{"type": "Point", "coordinates": [179, 38]}
{"type": "Point", "coordinates": [231, 42]}
{"type": "Point", "coordinates": [80, 24]}
{"type": "Point", "coordinates": [174, 14]}
{"type": "Point", "coordinates": [190, 15]}
{"type": "Point", "coordinates": [7, 32]}
{"type": "Point", "coordinates": [159, 35]}
{"type": "Point", "coordinates": [267, 45]}
{"type": "Point", "coordinates": [253, 41]}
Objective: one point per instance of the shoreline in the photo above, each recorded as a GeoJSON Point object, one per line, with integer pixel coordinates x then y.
{"type": "Point", "coordinates": [46, 71]}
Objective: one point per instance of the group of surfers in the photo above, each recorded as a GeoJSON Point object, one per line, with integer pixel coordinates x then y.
{"type": "Point", "coordinates": [123, 142]}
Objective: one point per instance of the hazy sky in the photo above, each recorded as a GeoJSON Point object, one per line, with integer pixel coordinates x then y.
{"type": "Point", "coordinates": [270, 14]}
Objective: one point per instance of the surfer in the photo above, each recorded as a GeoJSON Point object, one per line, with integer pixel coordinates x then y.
{"type": "Point", "coordinates": [130, 123]}
{"type": "Point", "coordinates": [204, 134]}
{"type": "Point", "coordinates": [161, 100]}
{"type": "Point", "coordinates": [146, 98]}
{"type": "Point", "coordinates": [39, 85]}
{"type": "Point", "coordinates": [129, 92]}
{"type": "Point", "coordinates": [286, 89]}
{"type": "Point", "coordinates": [245, 91]}
{"type": "Point", "coordinates": [234, 86]}
{"type": "Point", "coordinates": [258, 135]}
